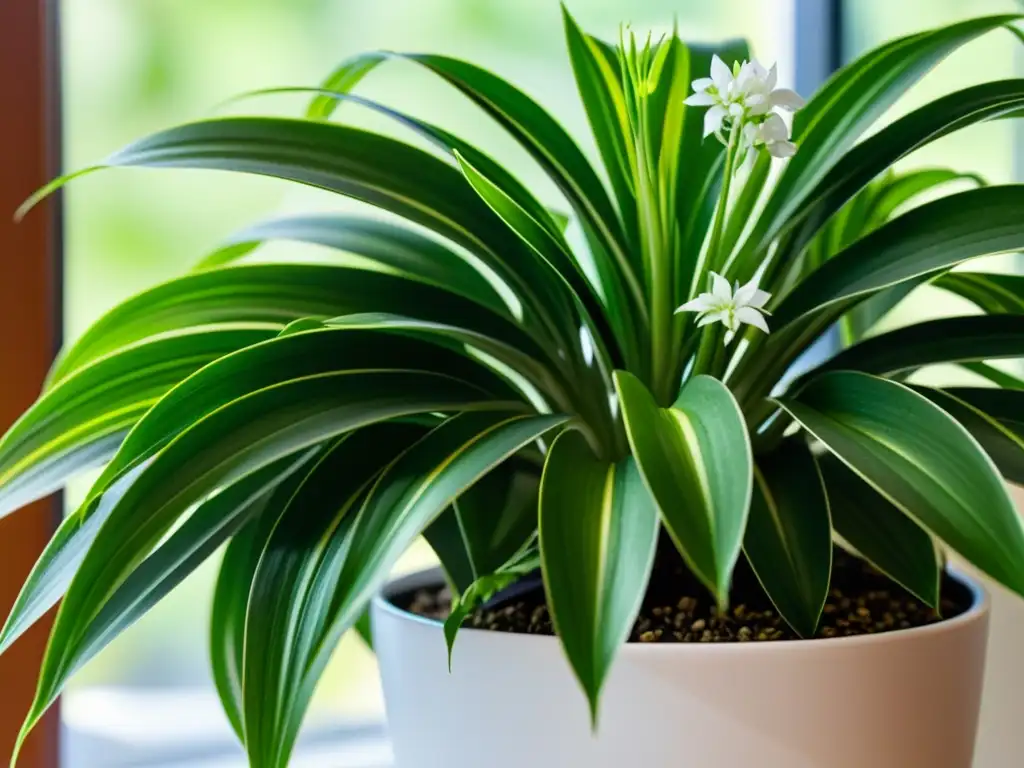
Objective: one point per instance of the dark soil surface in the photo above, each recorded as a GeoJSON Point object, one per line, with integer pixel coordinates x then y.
{"type": "Point", "coordinates": [677, 608]}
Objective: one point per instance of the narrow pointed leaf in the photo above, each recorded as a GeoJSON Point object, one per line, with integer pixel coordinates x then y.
{"type": "Point", "coordinates": [947, 340]}
{"type": "Point", "coordinates": [278, 294]}
{"type": "Point", "coordinates": [291, 359]}
{"type": "Point", "coordinates": [614, 326]}
{"type": "Point", "coordinates": [487, 524]}
{"type": "Point", "coordinates": [854, 98]}
{"type": "Point", "coordinates": [1003, 446]}
{"type": "Point", "coordinates": [401, 249]}
{"type": "Point", "coordinates": [696, 459]}
{"type": "Point", "coordinates": [61, 558]}
{"type": "Point", "coordinates": [927, 239]}
{"type": "Point", "coordinates": [789, 535]}
{"type": "Point", "coordinates": [596, 68]}
{"type": "Point", "coordinates": [221, 448]}
{"type": "Point", "coordinates": [922, 460]}
{"type": "Point", "coordinates": [897, 140]}
{"type": "Point", "coordinates": [598, 529]}
{"type": "Point", "coordinates": [881, 532]}
{"type": "Point", "coordinates": [318, 574]}
{"type": "Point", "coordinates": [993, 293]}
{"type": "Point", "coordinates": [80, 423]}
{"type": "Point", "coordinates": [997, 376]}
{"type": "Point", "coordinates": [344, 78]}
{"type": "Point", "coordinates": [202, 534]}
{"type": "Point", "coordinates": [1004, 405]}
{"type": "Point", "coordinates": [482, 590]}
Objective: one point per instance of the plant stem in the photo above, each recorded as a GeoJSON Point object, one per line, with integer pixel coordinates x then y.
{"type": "Point", "coordinates": [710, 338]}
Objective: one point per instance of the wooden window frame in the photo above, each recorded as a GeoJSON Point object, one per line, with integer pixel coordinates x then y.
{"type": "Point", "coordinates": [30, 316]}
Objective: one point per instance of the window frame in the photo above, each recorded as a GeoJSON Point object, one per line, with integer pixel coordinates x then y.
{"type": "Point", "coordinates": [30, 308]}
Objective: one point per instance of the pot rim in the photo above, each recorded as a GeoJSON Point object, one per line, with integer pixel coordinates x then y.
{"type": "Point", "coordinates": [979, 610]}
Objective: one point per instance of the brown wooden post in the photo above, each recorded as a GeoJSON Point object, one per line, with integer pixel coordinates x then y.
{"type": "Point", "coordinates": [30, 325]}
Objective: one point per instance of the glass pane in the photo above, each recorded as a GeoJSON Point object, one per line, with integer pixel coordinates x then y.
{"type": "Point", "coordinates": [991, 149]}
{"type": "Point", "coordinates": [134, 67]}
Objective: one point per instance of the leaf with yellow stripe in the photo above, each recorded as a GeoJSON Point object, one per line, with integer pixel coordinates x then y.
{"type": "Point", "coordinates": [696, 459]}
{"type": "Point", "coordinates": [598, 530]}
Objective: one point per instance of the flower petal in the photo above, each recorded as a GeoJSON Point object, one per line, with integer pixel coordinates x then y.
{"type": "Point", "coordinates": [751, 316]}
{"type": "Point", "coordinates": [773, 78]}
{"type": "Point", "coordinates": [720, 288]}
{"type": "Point", "coordinates": [751, 296]}
{"type": "Point", "coordinates": [782, 149]}
{"type": "Point", "coordinates": [774, 129]}
{"type": "Point", "coordinates": [788, 99]}
{"type": "Point", "coordinates": [708, 319]}
{"type": "Point", "coordinates": [713, 120]}
{"type": "Point", "coordinates": [702, 84]}
{"type": "Point", "coordinates": [703, 303]}
{"type": "Point", "coordinates": [700, 100]}
{"type": "Point", "coordinates": [720, 72]}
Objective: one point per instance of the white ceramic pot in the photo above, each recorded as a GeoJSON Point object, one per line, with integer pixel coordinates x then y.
{"type": "Point", "coordinates": [906, 699]}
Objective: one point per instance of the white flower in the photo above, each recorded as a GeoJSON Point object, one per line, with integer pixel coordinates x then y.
{"type": "Point", "coordinates": [760, 96]}
{"type": "Point", "coordinates": [723, 305]}
{"type": "Point", "coordinates": [746, 92]}
{"type": "Point", "coordinates": [772, 135]}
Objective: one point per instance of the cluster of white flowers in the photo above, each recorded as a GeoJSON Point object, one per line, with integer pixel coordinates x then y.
{"type": "Point", "coordinates": [730, 305]}
{"type": "Point", "coordinates": [745, 98]}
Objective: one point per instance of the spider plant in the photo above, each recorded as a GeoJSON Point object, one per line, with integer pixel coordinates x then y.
{"type": "Point", "coordinates": [518, 385]}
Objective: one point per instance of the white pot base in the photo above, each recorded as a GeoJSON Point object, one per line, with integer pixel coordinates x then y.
{"type": "Point", "coordinates": [907, 699]}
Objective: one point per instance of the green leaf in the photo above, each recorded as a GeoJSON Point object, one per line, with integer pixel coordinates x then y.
{"type": "Point", "coordinates": [289, 360]}
{"type": "Point", "coordinates": [950, 339]}
{"type": "Point", "coordinates": [487, 524]}
{"type": "Point", "coordinates": [61, 558]}
{"type": "Point", "coordinates": [902, 137]}
{"type": "Point", "coordinates": [993, 293]}
{"type": "Point", "coordinates": [557, 154]}
{"type": "Point", "coordinates": [346, 77]}
{"type": "Point", "coordinates": [278, 294]}
{"type": "Point", "coordinates": [997, 376]}
{"type": "Point", "coordinates": [596, 68]}
{"type": "Point", "coordinates": [328, 557]}
{"type": "Point", "coordinates": [202, 534]}
{"type": "Point", "coordinates": [219, 449]}
{"type": "Point", "coordinates": [853, 99]}
{"type": "Point", "coordinates": [927, 239]}
{"type": "Point", "coordinates": [1004, 405]}
{"type": "Point", "coordinates": [227, 617]}
{"type": "Point", "coordinates": [598, 530]}
{"type": "Point", "coordinates": [920, 459]}
{"type": "Point", "coordinates": [533, 272]}
{"type": "Point", "coordinates": [1003, 446]}
{"type": "Point", "coordinates": [788, 539]}
{"type": "Point", "coordinates": [374, 169]}
{"type": "Point", "coordinates": [482, 590]}
{"type": "Point", "coordinates": [695, 458]}
{"type": "Point", "coordinates": [880, 532]}
{"type": "Point", "coordinates": [403, 250]}
{"type": "Point", "coordinates": [540, 135]}
{"type": "Point", "coordinates": [614, 328]}
{"type": "Point", "coordinates": [551, 384]}
{"type": "Point", "coordinates": [80, 422]}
